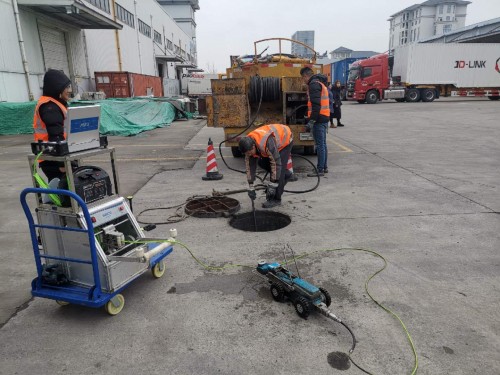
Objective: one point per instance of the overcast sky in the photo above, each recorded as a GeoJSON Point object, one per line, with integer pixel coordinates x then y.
{"type": "Point", "coordinates": [229, 27]}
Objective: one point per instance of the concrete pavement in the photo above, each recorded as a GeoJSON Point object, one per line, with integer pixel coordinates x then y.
{"type": "Point", "coordinates": [417, 183]}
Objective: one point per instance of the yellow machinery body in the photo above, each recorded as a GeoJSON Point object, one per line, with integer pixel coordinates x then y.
{"type": "Point", "coordinates": [269, 90]}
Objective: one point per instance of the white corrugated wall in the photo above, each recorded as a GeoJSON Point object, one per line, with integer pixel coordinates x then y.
{"type": "Point", "coordinates": [436, 63]}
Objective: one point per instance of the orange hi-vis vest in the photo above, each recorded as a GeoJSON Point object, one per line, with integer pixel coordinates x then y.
{"type": "Point", "coordinates": [39, 127]}
{"type": "Point", "coordinates": [281, 133]}
{"type": "Point", "coordinates": [324, 104]}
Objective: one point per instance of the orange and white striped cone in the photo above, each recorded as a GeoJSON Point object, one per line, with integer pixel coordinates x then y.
{"type": "Point", "coordinates": [212, 171]}
{"type": "Point", "coordinates": [289, 170]}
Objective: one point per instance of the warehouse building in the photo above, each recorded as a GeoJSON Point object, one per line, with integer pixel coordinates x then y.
{"type": "Point", "coordinates": [83, 37]}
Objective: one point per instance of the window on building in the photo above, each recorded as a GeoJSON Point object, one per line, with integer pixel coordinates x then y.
{"type": "Point", "coordinates": [101, 4]}
{"type": "Point", "coordinates": [446, 29]}
{"type": "Point", "coordinates": [435, 30]}
{"type": "Point", "coordinates": [448, 18]}
{"type": "Point", "coordinates": [144, 28]}
{"type": "Point", "coordinates": [157, 37]}
{"type": "Point", "coordinates": [440, 9]}
{"type": "Point", "coordinates": [177, 49]}
{"type": "Point", "coordinates": [448, 8]}
{"type": "Point", "coordinates": [124, 15]}
{"type": "Point", "coordinates": [170, 45]}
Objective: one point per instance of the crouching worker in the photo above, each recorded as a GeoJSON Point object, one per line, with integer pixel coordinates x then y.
{"type": "Point", "coordinates": [270, 147]}
{"type": "Point", "coordinates": [50, 113]}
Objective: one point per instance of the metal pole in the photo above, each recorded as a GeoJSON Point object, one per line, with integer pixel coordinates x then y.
{"type": "Point", "coordinates": [23, 50]}
{"type": "Point", "coordinates": [137, 32]}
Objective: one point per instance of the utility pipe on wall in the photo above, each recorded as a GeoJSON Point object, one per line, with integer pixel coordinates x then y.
{"type": "Point", "coordinates": [23, 51]}
{"type": "Point", "coordinates": [137, 32]}
{"type": "Point", "coordinates": [117, 40]}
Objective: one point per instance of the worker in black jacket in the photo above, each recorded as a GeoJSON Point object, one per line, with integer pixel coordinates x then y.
{"type": "Point", "coordinates": [50, 113]}
{"type": "Point", "coordinates": [318, 114]}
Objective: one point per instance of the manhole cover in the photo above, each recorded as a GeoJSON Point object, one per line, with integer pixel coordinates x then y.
{"type": "Point", "coordinates": [212, 207]}
{"type": "Point", "coordinates": [266, 221]}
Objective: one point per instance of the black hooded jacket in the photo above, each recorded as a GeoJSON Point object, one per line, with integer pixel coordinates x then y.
{"type": "Point", "coordinates": [315, 97]}
{"type": "Point", "coordinates": [54, 83]}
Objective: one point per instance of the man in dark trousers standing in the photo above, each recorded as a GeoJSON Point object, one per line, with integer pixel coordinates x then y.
{"type": "Point", "coordinates": [50, 113]}
{"type": "Point", "coordinates": [270, 147]}
{"type": "Point", "coordinates": [318, 114]}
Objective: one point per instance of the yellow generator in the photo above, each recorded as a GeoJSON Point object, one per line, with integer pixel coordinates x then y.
{"type": "Point", "coordinates": [259, 90]}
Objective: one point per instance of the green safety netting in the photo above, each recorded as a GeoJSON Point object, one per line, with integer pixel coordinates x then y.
{"type": "Point", "coordinates": [123, 117]}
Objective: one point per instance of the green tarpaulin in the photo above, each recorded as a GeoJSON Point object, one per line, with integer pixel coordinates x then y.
{"type": "Point", "coordinates": [122, 117]}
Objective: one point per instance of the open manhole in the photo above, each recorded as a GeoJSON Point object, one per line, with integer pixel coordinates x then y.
{"type": "Point", "coordinates": [266, 221]}
{"type": "Point", "coordinates": [212, 207]}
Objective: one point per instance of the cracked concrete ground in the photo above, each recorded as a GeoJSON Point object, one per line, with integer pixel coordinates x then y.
{"type": "Point", "coordinates": [417, 183]}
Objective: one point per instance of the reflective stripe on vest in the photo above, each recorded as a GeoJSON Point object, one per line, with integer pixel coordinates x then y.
{"type": "Point", "coordinates": [281, 133]}
{"type": "Point", "coordinates": [324, 104]}
{"type": "Point", "coordinates": [39, 127]}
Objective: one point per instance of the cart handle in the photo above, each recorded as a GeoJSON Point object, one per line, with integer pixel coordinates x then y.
{"type": "Point", "coordinates": [90, 232]}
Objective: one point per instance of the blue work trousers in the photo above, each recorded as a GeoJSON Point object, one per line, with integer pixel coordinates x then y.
{"type": "Point", "coordinates": [319, 134]}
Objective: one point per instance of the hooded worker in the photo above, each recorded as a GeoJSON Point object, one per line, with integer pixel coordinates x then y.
{"type": "Point", "coordinates": [50, 113]}
{"type": "Point", "coordinates": [270, 147]}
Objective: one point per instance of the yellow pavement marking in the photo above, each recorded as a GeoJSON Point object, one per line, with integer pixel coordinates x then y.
{"type": "Point", "coordinates": [345, 148]}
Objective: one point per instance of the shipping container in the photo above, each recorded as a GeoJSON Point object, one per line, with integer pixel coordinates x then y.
{"type": "Point", "coordinates": [458, 64]}
{"type": "Point", "coordinates": [195, 84]}
{"type": "Point", "coordinates": [127, 85]}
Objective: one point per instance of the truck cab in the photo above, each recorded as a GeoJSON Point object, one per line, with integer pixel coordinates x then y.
{"type": "Point", "coordinates": [368, 79]}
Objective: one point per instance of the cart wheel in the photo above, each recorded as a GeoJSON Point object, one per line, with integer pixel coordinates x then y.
{"type": "Point", "coordinates": [62, 303]}
{"type": "Point", "coordinates": [115, 305]}
{"type": "Point", "coordinates": [159, 269]}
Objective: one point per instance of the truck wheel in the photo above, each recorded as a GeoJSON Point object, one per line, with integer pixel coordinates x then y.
{"type": "Point", "coordinates": [428, 95]}
{"type": "Point", "coordinates": [308, 150]}
{"type": "Point", "coordinates": [236, 152]}
{"type": "Point", "coordinates": [303, 307]}
{"type": "Point", "coordinates": [412, 95]}
{"type": "Point", "coordinates": [277, 292]}
{"type": "Point", "coordinates": [327, 299]}
{"type": "Point", "coordinates": [371, 97]}
{"type": "Point", "coordinates": [361, 101]}
{"type": "Point", "coordinates": [493, 97]}
{"type": "Point", "coordinates": [400, 100]}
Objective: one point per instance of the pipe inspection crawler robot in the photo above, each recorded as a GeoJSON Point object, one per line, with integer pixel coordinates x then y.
{"type": "Point", "coordinates": [88, 246]}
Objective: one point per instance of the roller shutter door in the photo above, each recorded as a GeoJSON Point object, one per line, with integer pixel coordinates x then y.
{"type": "Point", "coordinates": [54, 50]}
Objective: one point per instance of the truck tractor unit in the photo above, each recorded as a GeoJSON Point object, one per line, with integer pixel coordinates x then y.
{"type": "Point", "coordinates": [426, 71]}
{"type": "Point", "coordinates": [258, 90]}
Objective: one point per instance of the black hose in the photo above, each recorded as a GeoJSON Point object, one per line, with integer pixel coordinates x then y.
{"type": "Point", "coordinates": [352, 349]}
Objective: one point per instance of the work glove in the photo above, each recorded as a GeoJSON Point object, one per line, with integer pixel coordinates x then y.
{"type": "Point", "coordinates": [251, 192]}
{"type": "Point", "coordinates": [310, 125]}
{"type": "Point", "coordinates": [271, 190]}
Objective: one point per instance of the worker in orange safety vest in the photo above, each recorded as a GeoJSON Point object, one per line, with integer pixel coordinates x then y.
{"type": "Point", "coordinates": [270, 147]}
{"type": "Point", "coordinates": [318, 115]}
{"type": "Point", "coordinates": [50, 113]}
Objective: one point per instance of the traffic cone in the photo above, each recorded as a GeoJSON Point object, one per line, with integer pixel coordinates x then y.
{"type": "Point", "coordinates": [212, 171]}
{"type": "Point", "coordinates": [289, 169]}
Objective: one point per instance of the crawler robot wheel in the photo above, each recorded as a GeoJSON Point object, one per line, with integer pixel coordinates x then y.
{"type": "Point", "coordinates": [277, 292]}
{"type": "Point", "coordinates": [303, 307]}
{"type": "Point", "coordinates": [327, 299]}
{"type": "Point", "coordinates": [159, 269]}
{"type": "Point", "coordinates": [115, 305]}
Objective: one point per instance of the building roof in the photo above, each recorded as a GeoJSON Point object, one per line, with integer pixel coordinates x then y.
{"type": "Point", "coordinates": [358, 54]}
{"type": "Point", "coordinates": [341, 49]}
{"type": "Point", "coordinates": [430, 3]}
{"type": "Point", "coordinates": [481, 32]}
